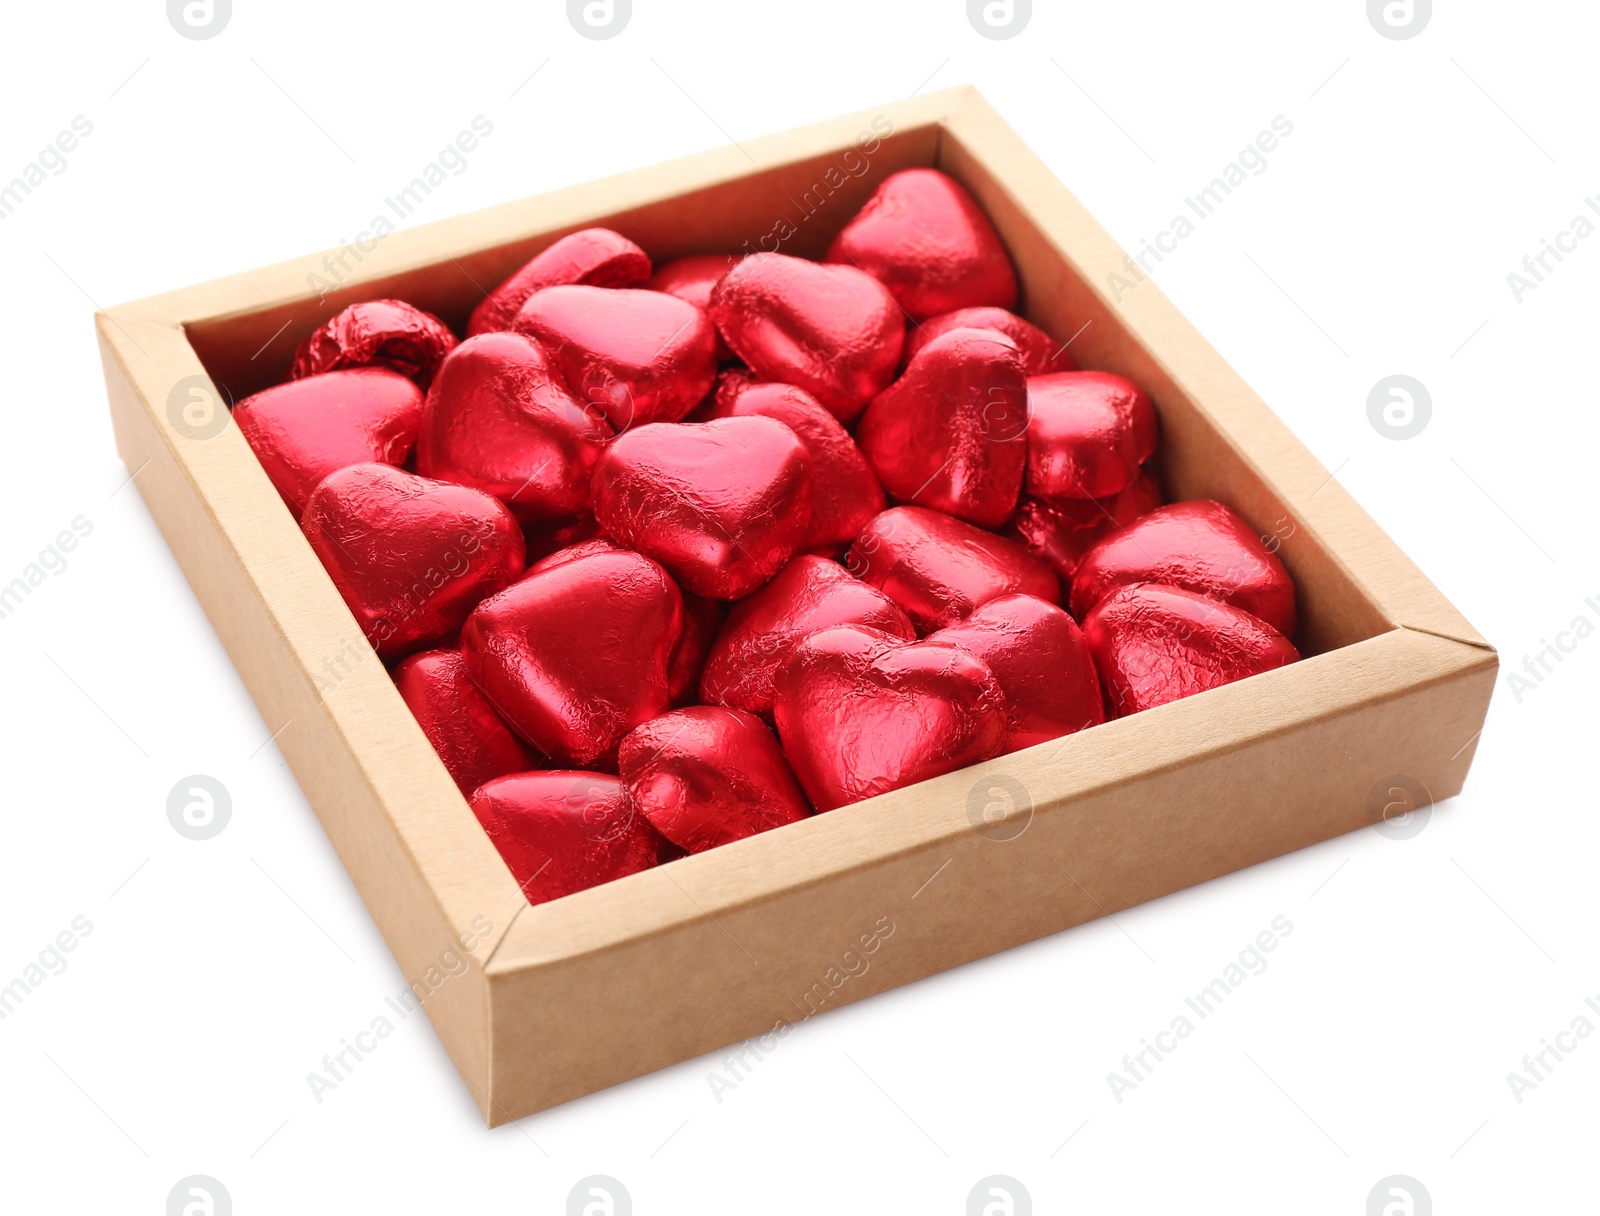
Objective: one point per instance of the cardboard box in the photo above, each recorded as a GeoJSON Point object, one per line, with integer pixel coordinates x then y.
{"type": "Point", "coordinates": [571, 996]}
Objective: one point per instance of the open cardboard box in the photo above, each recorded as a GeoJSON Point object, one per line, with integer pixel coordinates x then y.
{"type": "Point", "coordinates": [574, 995]}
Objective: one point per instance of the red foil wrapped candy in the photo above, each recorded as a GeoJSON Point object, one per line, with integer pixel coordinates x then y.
{"type": "Point", "coordinates": [1040, 352]}
{"type": "Point", "coordinates": [411, 556]}
{"type": "Point", "coordinates": [702, 621]}
{"type": "Point", "coordinates": [576, 654]}
{"type": "Point", "coordinates": [1088, 433]}
{"type": "Point", "coordinates": [463, 727]}
{"type": "Point", "coordinates": [595, 257]}
{"type": "Point", "coordinates": [637, 356]}
{"type": "Point", "coordinates": [1200, 546]}
{"type": "Point", "coordinates": [499, 418]}
{"type": "Point", "coordinates": [303, 430]}
{"type": "Point", "coordinates": [862, 712]}
{"type": "Point", "coordinates": [377, 333]}
{"type": "Point", "coordinates": [572, 553]}
{"type": "Point", "coordinates": [565, 830]}
{"type": "Point", "coordinates": [731, 384]}
{"type": "Point", "coordinates": [809, 594]}
{"type": "Point", "coordinates": [706, 776]}
{"type": "Point", "coordinates": [544, 539]}
{"type": "Point", "coordinates": [721, 504]}
{"type": "Point", "coordinates": [691, 280]}
{"type": "Point", "coordinates": [844, 492]}
{"type": "Point", "coordinates": [939, 569]}
{"type": "Point", "coordinates": [1153, 644]}
{"type": "Point", "coordinates": [832, 330]}
{"type": "Point", "coordinates": [1038, 655]}
{"type": "Point", "coordinates": [922, 235]}
{"type": "Point", "coordinates": [1062, 532]}
{"type": "Point", "coordinates": [951, 433]}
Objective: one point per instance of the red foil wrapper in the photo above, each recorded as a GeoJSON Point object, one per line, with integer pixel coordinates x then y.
{"type": "Point", "coordinates": [831, 330]}
{"type": "Point", "coordinates": [730, 386]}
{"type": "Point", "coordinates": [922, 235]}
{"type": "Point", "coordinates": [636, 356]}
{"type": "Point", "coordinates": [576, 654]}
{"type": "Point", "coordinates": [564, 831]}
{"type": "Point", "coordinates": [595, 257]}
{"type": "Point", "coordinates": [1062, 532]}
{"type": "Point", "coordinates": [303, 430]}
{"type": "Point", "coordinates": [702, 621]}
{"type": "Point", "coordinates": [722, 504]}
{"type": "Point", "coordinates": [543, 540]}
{"type": "Point", "coordinates": [707, 776]}
{"type": "Point", "coordinates": [809, 594]}
{"type": "Point", "coordinates": [377, 333]}
{"type": "Point", "coordinates": [1199, 546]}
{"type": "Point", "coordinates": [861, 712]}
{"type": "Point", "coordinates": [691, 280]}
{"type": "Point", "coordinates": [584, 548]}
{"type": "Point", "coordinates": [1153, 644]}
{"type": "Point", "coordinates": [469, 736]}
{"type": "Point", "coordinates": [951, 433]}
{"type": "Point", "coordinates": [938, 569]}
{"type": "Point", "coordinates": [499, 418]}
{"type": "Point", "coordinates": [1038, 655]}
{"type": "Point", "coordinates": [844, 493]}
{"type": "Point", "coordinates": [1088, 433]}
{"type": "Point", "coordinates": [1041, 354]}
{"type": "Point", "coordinates": [411, 556]}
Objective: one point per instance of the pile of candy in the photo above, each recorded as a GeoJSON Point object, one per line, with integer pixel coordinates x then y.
{"type": "Point", "coordinates": [630, 550]}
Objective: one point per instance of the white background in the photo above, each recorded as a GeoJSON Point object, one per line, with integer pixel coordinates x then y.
{"type": "Point", "coordinates": [1418, 973]}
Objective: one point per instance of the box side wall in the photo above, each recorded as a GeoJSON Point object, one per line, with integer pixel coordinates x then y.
{"type": "Point", "coordinates": [422, 938]}
{"type": "Point", "coordinates": [735, 971]}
